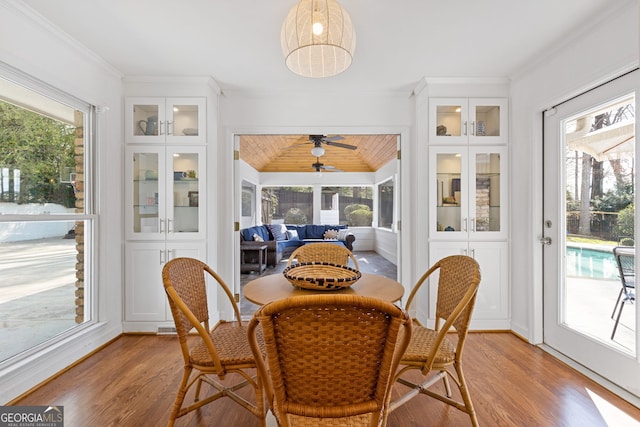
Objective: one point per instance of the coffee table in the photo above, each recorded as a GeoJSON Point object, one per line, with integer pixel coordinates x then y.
{"type": "Point", "coordinates": [260, 257]}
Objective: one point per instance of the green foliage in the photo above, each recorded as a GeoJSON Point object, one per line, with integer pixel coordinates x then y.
{"type": "Point", "coordinates": [614, 201]}
{"type": "Point", "coordinates": [624, 227]}
{"type": "Point", "coordinates": [358, 215]}
{"type": "Point", "coordinates": [572, 204]}
{"type": "Point", "coordinates": [350, 208]}
{"type": "Point", "coordinates": [295, 216]}
{"type": "Point", "coordinates": [360, 218]}
{"type": "Point", "coordinates": [39, 147]}
{"type": "Point", "coordinates": [627, 241]}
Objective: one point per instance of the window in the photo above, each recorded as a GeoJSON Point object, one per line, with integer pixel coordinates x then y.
{"type": "Point", "coordinates": [288, 205]}
{"type": "Point", "coordinates": [248, 210]}
{"type": "Point", "coordinates": [347, 205]}
{"type": "Point", "coordinates": [385, 204]}
{"type": "Point", "coordinates": [46, 221]}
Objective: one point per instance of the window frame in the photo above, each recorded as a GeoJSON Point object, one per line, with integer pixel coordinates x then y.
{"type": "Point", "coordinates": [381, 184]}
{"type": "Point", "coordinates": [88, 215]}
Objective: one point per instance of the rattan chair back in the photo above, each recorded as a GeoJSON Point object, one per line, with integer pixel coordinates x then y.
{"type": "Point", "coordinates": [458, 282]}
{"type": "Point", "coordinates": [214, 352]}
{"type": "Point", "coordinates": [430, 350]}
{"type": "Point", "coordinates": [331, 358]}
{"type": "Point", "coordinates": [333, 253]}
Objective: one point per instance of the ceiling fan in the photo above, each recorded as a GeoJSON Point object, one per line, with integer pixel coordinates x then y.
{"type": "Point", "coordinates": [319, 167]}
{"type": "Point", "coordinates": [318, 140]}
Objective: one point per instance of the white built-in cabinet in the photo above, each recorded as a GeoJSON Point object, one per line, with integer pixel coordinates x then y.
{"type": "Point", "coordinates": [475, 121]}
{"type": "Point", "coordinates": [165, 207]}
{"type": "Point", "coordinates": [165, 120]}
{"type": "Point", "coordinates": [468, 191]}
{"type": "Point", "coordinates": [164, 183]}
{"type": "Point", "coordinates": [146, 306]}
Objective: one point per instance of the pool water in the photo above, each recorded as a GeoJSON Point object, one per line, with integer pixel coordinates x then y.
{"type": "Point", "coordinates": [591, 263]}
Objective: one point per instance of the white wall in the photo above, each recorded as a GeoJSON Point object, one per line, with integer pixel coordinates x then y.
{"type": "Point", "coordinates": [597, 53]}
{"type": "Point", "coordinates": [34, 48]}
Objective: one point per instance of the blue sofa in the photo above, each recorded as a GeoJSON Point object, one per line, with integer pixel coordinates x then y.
{"type": "Point", "coordinates": [281, 243]}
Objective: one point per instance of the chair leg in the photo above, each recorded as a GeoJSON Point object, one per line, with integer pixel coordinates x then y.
{"type": "Point", "coordinates": [466, 398]}
{"type": "Point", "coordinates": [617, 302]}
{"type": "Point", "coordinates": [615, 326]}
{"type": "Point", "coordinates": [447, 385]}
{"type": "Point", "coordinates": [182, 391]}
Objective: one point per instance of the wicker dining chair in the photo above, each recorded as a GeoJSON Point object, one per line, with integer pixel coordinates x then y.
{"type": "Point", "coordinates": [331, 358]}
{"type": "Point", "coordinates": [333, 253]}
{"type": "Point", "coordinates": [430, 351]}
{"type": "Point", "coordinates": [215, 352]}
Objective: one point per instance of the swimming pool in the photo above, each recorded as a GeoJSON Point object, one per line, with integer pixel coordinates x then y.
{"type": "Point", "coordinates": [591, 263]}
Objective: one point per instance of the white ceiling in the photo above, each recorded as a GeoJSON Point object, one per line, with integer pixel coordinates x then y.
{"type": "Point", "coordinates": [398, 41]}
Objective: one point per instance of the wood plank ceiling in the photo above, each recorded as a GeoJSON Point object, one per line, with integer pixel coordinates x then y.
{"type": "Point", "coordinates": [292, 153]}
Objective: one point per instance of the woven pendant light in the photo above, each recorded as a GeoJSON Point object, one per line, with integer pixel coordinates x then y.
{"type": "Point", "coordinates": [318, 39]}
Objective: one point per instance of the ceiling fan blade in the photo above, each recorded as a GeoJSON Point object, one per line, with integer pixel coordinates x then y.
{"type": "Point", "coordinates": [330, 169]}
{"type": "Point", "coordinates": [333, 138]}
{"type": "Point", "coordinates": [341, 145]}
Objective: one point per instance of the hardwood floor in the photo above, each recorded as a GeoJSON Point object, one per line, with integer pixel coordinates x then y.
{"type": "Point", "coordinates": [133, 381]}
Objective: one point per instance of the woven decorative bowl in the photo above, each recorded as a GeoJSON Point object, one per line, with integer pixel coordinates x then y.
{"type": "Point", "coordinates": [323, 276]}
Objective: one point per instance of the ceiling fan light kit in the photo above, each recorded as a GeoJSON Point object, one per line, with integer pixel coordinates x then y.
{"type": "Point", "coordinates": [318, 39]}
{"type": "Point", "coordinates": [317, 151]}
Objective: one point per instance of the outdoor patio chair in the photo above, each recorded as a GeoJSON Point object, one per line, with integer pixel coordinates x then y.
{"type": "Point", "coordinates": [218, 352]}
{"type": "Point", "coordinates": [324, 252]}
{"type": "Point", "coordinates": [330, 359]}
{"type": "Point", "coordinates": [626, 261]}
{"type": "Point", "coordinates": [430, 350]}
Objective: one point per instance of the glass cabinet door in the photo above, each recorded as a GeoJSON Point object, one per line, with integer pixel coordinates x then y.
{"type": "Point", "coordinates": [449, 193]}
{"type": "Point", "coordinates": [486, 168]}
{"type": "Point", "coordinates": [487, 120]}
{"type": "Point", "coordinates": [466, 194]}
{"type": "Point", "coordinates": [145, 173]}
{"type": "Point", "coordinates": [186, 176]}
{"type": "Point", "coordinates": [164, 192]}
{"type": "Point", "coordinates": [186, 121]}
{"type": "Point", "coordinates": [468, 121]}
{"type": "Point", "coordinates": [448, 122]}
{"type": "Point", "coordinates": [165, 120]}
{"type": "Point", "coordinates": [145, 119]}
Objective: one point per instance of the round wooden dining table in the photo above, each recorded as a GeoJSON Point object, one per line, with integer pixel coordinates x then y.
{"type": "Point", "coordinates": [275, 286]}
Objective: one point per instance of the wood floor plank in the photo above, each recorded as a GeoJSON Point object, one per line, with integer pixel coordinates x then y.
{"type": "Point", "coordinates": [133, 382]}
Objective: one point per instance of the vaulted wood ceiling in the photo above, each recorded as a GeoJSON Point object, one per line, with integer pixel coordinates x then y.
{"type": "Point", "coordinates": [292, 153]}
